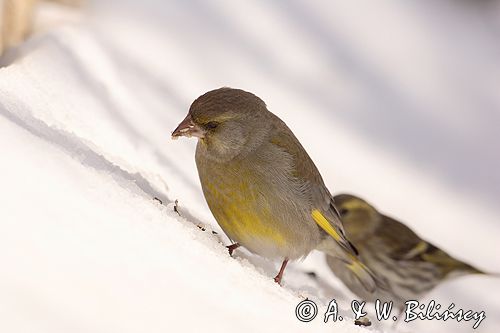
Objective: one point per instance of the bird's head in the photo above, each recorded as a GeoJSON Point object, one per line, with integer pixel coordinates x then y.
{"type": "Point", "coordinates": [225, 121]}
{"type": "Point", "coordinates": [359, 217]}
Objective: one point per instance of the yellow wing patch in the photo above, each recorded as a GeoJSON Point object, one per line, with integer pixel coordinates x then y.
{"type": "Point", "coordinates": [325, 225]}
{"type": "Point", "coordinates": [420, 248]}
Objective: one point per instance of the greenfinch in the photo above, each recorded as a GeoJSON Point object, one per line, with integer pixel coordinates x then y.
{"type": "Point", "coordinates": [260, 184]}
{"type": "Point", "coordinates": [410, 265]}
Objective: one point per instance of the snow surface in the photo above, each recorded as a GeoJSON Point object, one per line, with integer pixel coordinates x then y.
{"type": "Point", "coordinates": [397, 102]}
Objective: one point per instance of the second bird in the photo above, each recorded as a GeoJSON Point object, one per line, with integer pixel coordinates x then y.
{"type": "Point", "coordinates": [410, 265]}
{"type": "Point", "coordinates": [259, 182]}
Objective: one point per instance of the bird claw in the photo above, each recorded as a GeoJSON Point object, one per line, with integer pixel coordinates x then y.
{"type": "Point", "coordinates": [232, 247]}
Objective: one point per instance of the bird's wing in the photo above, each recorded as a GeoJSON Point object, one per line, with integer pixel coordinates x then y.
{"type": "Point", "coordinates": [404, 243]}
{"type": "Point", "coordinates": [322, 206]}
{"type": "Point", "coordinates": [410, 247]}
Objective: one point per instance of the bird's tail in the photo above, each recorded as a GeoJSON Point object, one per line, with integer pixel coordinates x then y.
{"type": "Point", "coordinates": [450, 266]}
{"type": "Point", "coordinates": [366, 277]}
{"type": "Point", "coordinates": [340, 247]}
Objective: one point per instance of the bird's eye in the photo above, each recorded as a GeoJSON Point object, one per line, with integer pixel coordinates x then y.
{"type": "Point", "coordinates": [212, 125]}
{"type": "Point", "coordinates": [343, 211]}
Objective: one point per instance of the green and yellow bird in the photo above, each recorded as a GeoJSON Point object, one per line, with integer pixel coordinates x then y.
{"type": "Point", "coordinates": [410, 265]}
{"type": "Point", "coordinates": [259, 182]}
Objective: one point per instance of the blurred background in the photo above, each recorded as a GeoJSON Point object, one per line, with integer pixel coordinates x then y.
{"type": "Point", "coordinates": [396, 101]}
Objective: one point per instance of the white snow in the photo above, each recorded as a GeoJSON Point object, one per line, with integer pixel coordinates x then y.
{"type": "Point", "coordinates": [394, 101]}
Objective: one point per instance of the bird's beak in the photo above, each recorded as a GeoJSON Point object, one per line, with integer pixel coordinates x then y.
{"type": "Point", "coordinates": [188, 128]}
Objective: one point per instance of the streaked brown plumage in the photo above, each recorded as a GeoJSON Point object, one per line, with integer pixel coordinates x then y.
{"type": "Point", "coordinates": [410, 265]}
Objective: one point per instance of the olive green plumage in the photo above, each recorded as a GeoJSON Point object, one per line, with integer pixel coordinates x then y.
{"type": "Point", "coordinates": [259, 182]}
{"type": "Point", "coordinates": [410, 265]}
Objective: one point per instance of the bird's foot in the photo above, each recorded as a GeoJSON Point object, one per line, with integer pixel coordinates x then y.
{"type": "Point", "coordinates": [278, 277]}
{"type": "Point", "coordinates": [232, 247]}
